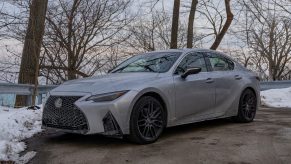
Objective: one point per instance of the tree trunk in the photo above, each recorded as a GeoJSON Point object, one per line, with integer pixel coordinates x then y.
{"type": "Point", "coordinates": [272, 74]}
{"type": "Point", "coordinates": [29, 68]}
{"type": "Point", "coordinates": [229, 18]}
{"type": "Point", "coordinates": [191, 23]}
{"type": "Point", "coordinates": [175, 24]}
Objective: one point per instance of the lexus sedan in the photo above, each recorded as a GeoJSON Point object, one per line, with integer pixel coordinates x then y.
{"type": "Point", "coordinates": [149, 92]}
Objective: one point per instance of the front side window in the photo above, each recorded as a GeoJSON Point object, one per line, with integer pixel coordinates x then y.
{"type": "Point", "coordinates": [190, 61]}
{"type": "Point", "coordinates": [220, 63]}
{"type": "Point", "coordinates": [159, 62]}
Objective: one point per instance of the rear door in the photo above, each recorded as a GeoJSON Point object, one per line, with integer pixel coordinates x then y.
{"type": "Point", "coordinates": [227, 81]}
{"type": "Point", "coordinates": [195, 95]}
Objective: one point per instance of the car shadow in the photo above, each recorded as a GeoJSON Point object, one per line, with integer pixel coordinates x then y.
{"type": "Point", "coordinates": [84, 140]}
{"type": "Point", "coordinates": [198, 126]}
{"type": "Point", "coordinates": [54, 137]}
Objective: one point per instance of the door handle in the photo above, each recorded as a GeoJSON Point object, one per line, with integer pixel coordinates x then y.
{"type": "Point", "coordinates": [237, 77]}
{"type": "Point", "coordinates": [209, 80]}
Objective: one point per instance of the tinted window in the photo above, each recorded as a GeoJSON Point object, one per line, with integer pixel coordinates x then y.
{"type": "Point", "coordinates": [219, 63]}
{"type": "Point", "coordinates": [192, 60]}
{"type": "Point", "coordinates": [150, 62]}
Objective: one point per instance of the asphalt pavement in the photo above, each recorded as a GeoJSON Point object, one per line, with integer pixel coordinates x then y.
{"type": "Point", "coordinates": [267, 140]}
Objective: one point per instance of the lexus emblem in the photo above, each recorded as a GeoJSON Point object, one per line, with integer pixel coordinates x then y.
{"type": "Point", "coordinates": [58, 103]}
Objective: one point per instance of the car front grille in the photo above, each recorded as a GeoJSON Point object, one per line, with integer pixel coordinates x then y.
{"type": "Point", "coordinates": [60, 112]}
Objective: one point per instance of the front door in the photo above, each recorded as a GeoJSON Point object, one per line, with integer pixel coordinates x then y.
{"type": "Point", "coordinates": [195, 95]}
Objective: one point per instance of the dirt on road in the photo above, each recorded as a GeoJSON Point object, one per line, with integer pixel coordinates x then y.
{"type": "Point", "coordinates": [266, 140]}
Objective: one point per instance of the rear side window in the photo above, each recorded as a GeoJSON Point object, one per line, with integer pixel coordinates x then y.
{"type": "Point", "coordinates": [190, 61]}
{"type": "Point", "coordinates": [219, 63]}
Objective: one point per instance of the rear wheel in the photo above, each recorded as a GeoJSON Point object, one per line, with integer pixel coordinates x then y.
{"type": "Point", "coordinates": [148, 120]}
{"type": "Point", "coordinates": [247, 106]}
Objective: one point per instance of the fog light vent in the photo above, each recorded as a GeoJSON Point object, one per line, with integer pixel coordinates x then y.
{"type": "Point", "coordinates": [111, 126]}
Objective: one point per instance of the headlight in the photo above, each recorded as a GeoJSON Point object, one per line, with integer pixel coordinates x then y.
{"type": "Point", "coordinates": [106, 96]}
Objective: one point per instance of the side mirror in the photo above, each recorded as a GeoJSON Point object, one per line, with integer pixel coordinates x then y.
{"type": "Point", "coordinates": [191, 71]}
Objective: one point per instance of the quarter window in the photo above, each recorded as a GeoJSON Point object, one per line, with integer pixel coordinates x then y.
{"type": "Point", "coordinates": [220, 63]}
{"type": "Point", "coordinates": [190, 61]}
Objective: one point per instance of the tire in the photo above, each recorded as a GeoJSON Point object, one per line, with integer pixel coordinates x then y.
{"type": "Point", "coordinates": [147, 121]}
{"type": "Point", "coordinates": [247, 107]}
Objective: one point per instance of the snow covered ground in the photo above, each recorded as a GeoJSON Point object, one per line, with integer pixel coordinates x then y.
{"type": "Point", "coordinates": [276, 98]}
{"type": "Point", "coordinates": [16, 125]}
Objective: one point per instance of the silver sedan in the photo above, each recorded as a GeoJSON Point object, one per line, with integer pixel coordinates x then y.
{"type": "Point", "coordinates": [149, 92]}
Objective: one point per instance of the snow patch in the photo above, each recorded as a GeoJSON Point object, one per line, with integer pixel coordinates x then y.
{"type": "Point", "coordinates": [277, 98]}
{"type": "Point", "coordinates": [16, 125]}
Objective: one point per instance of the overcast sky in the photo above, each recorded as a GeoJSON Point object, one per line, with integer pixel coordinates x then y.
{"type": "Point", "coordinates": [141, 6]}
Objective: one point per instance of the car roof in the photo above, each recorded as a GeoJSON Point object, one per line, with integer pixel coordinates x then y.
{"type": "Point", "coordinates": [185, 50]}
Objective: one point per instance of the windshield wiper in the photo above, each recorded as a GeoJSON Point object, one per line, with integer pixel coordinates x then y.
{"type": "Point", "coordinates": [143, 66]}
{"type": "Point", "coordinates": [120, 69]}
{"type": "Point", "coordinates": [147, 67]}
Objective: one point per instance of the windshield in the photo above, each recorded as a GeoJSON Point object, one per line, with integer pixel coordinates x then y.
{"type": "Point", "coordinates": [150, 62]}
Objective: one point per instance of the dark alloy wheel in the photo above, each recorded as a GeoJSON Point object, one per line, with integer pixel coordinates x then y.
{"type": "Point", "coordinates": [247, 106]}
{"type": "Point", "coordinates": [147, 121]}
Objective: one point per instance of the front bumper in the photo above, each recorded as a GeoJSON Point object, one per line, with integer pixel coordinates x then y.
{"type": "Point", "coordinates": [88, 117]}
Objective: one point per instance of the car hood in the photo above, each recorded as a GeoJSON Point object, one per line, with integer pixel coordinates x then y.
{"type": "Point", "coordinates": [107, 83]}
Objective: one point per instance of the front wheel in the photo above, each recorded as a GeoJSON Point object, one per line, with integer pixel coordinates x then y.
{"type": "Point", "coordinates": [247, 107]}
{"type": "Point", "coordinates": [148, 120]}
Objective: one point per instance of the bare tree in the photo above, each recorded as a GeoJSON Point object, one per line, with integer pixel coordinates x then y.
{"type": "Point", "coordinates": [29, 68]}
{"type": "Point", "coordinates": [191, 23]}
{"type": "Point", "coordinates": [152, 32]}
{"type": "Point", "coordinates": [229, 18]}
{"type": "Point", "coordinates": [79, 34]}
{"type": "Point", "coordinates": [274, 43]}
{"type": "Point", "coordinates": [13, 24]}
{"type": "Point", "coordinates": [5, 18]}
{"type": "Point", "coordinates": [269, 35]}
{"type": "Point", "coordinates": [175, 24]}
{"type": "Point", "coordinates": [216, 22]}
{"type": "Point", "coordinates": [14, 19]}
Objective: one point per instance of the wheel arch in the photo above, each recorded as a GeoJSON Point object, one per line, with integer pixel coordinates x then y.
{"type": "Point", "coordinates": [257, 93]}
{"type": "Point", "coordinates": [158, 97]}
{"type": "Point", "coordinates": [156, 94]}
{"type": "Point", "coordinates": [238, 96]}
{"type": "Point", "coordinates": [250, 88]}
{"type": "Point", "coordinates": [240, 117]}
{"type": "Point", "coordinates": [135, 134]}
